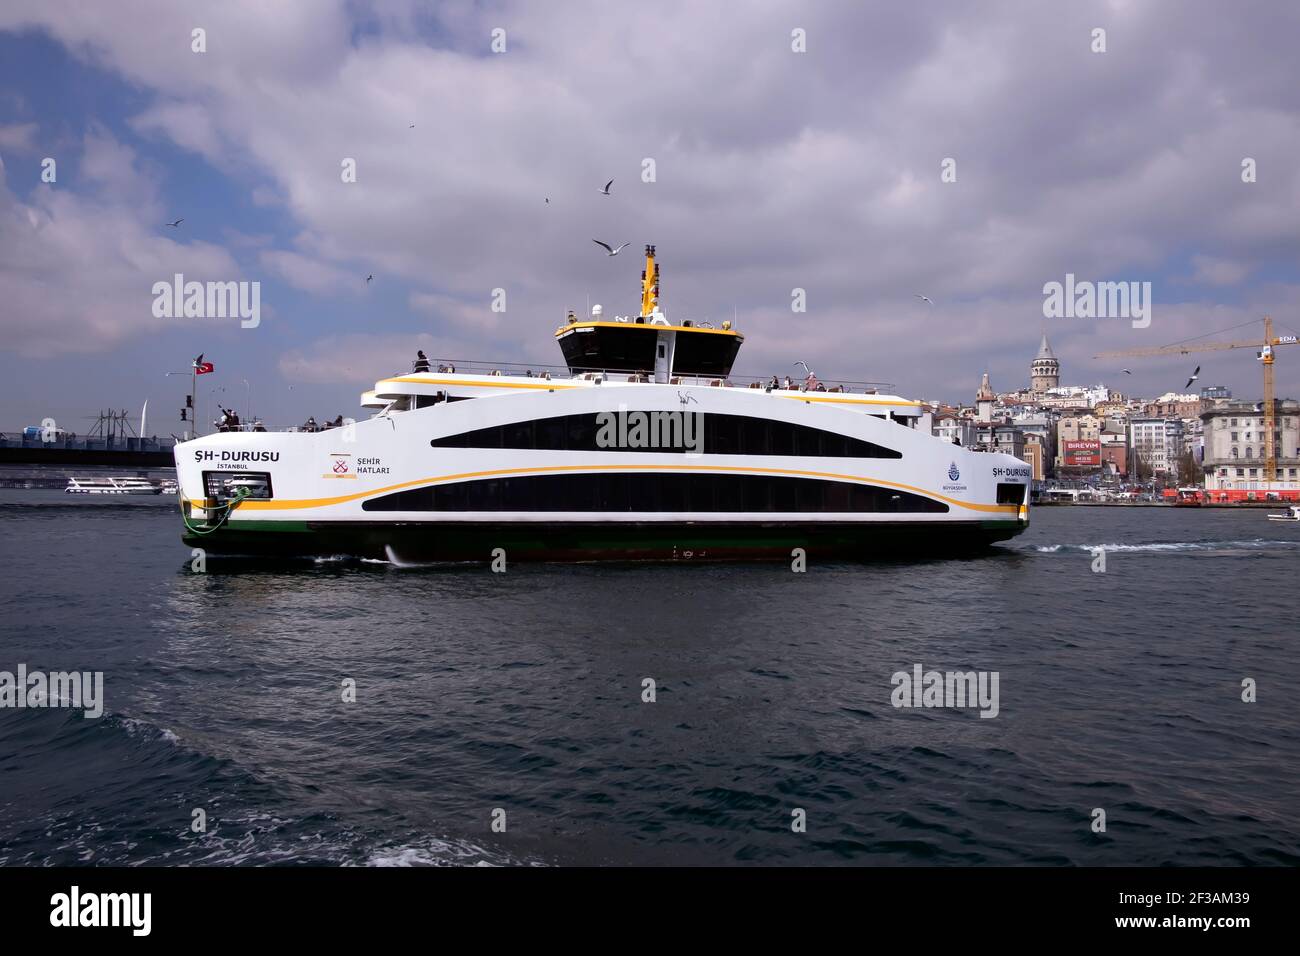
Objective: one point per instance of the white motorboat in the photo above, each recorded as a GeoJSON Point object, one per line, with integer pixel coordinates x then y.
{"type": "Point", "coordinates": [101, 485]}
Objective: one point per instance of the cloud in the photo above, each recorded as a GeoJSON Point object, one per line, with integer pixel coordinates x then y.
{"type": "Point", "coordinates": [1214, 271]}
{"type": "Point", "coordinates": [18, 137]}
{"type": "Point", "coordinates": [78, 268]}
{"type": "Point", "coordinates": [774, 169]}
{"type": "Point", "coordinates": [308, 274]}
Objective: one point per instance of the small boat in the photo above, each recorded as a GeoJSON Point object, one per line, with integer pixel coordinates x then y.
{"type": "Point", "coordinates": [111, 486]}
{"type": "Point", "coordinates": [1292, 514]}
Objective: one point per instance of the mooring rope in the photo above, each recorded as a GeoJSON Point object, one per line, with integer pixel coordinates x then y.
{"type": "Point", "coordinates": [226, 509]}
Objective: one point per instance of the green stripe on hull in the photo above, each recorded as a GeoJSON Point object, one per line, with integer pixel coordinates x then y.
{"type": "Point", "coordinates": [582, 541]}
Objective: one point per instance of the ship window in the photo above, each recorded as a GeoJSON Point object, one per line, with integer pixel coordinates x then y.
{"type": "Point", "coordinates": [722, 435]}
{"type": "Point", "coordinates": [659, 493]}
{"type": "Point", "coordinates": [1010, 494]}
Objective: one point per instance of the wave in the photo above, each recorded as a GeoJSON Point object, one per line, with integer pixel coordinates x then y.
{"type": "Point", "coordinates": [1256, 544]}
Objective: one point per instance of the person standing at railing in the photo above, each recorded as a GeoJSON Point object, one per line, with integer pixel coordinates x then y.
{"type": "Point", "coordinates": [421, 362]}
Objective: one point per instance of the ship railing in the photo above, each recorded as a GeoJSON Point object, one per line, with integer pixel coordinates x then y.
{"type": "Point", "coordinates": [523, 370]}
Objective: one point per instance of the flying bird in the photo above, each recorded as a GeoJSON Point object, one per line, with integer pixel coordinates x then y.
{"type": "Point", "coordinates": [925, 297]}
{"type": "Point", "coordinates": [176, 223]}
{"type": "Point", "coordinates": [605, 191]}
{"type": "Point", "coordinates": [369, 277]}
{"type": "Point", "coordinates": [1126, 371]}
{"type": "Point", "coordinates": [610, 250]}
{"type": "Point", "coordinates": [412, 126]}
{"type": "Point", "coordinates": [1195, 376]}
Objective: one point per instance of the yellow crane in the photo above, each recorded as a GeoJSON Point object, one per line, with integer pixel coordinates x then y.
{"type": "Point", "coordinates": [1265, 357]}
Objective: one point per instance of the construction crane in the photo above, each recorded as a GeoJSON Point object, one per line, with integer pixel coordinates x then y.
{"type": "Point", "coordinates": [1265, 357]}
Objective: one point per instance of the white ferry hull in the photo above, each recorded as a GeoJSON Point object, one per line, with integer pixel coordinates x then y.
{"type": "Point", "coordinates": [344, 491]}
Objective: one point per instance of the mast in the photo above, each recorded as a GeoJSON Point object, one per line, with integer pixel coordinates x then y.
{"type": "Point", "coordinates": [649, 283]}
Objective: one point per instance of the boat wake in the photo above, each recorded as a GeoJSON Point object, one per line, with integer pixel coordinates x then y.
{"type": "Point", "coordinates": [1174, 547]}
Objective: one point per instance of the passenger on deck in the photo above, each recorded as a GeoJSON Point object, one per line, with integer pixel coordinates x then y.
{"type": "Point", "coordinates": [310, 425]}
{"type": "Point", "coordinates": [421, 362]}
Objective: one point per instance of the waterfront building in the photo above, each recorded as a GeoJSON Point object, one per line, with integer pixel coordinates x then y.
{"type": "Point", "coordinates": [1172, 405]}
{"type": "Point", "coordinates": [1157, 443]}
{"type": "Point", "coordinates": [1234, 450]}
{"type": "Point", "coordinates": [957, 431]}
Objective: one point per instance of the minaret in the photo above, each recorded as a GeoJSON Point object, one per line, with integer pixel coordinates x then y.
{"type": "Point", "coordinates": [984, 400]}
{"type": "Point", "coordinates": [1045, 370]}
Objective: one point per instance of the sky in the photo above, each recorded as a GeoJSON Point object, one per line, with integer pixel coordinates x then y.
{"type": "Point", "coordinates": [794, 146]}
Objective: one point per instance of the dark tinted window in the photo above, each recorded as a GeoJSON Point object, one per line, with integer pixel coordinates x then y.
{"type": "Point", "coordinates": [722, 435]}
{"type": "Point", "coordinates": [656, 492]}
{"type": "Point", "coordinates": [1010, 494]}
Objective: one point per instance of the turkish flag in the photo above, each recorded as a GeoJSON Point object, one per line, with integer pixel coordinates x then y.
{"type": "Point", "coordinates": [203, 368]}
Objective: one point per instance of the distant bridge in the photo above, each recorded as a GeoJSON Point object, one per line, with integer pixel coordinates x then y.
{"type": "Point", "coordinates": [17, 448]}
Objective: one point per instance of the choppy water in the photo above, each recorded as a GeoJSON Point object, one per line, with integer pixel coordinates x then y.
{"type": "Point", "coordinates": [1119, 690]}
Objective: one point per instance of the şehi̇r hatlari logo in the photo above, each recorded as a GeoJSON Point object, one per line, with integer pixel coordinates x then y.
{"type": "Point", "coordinates": [954, 474]}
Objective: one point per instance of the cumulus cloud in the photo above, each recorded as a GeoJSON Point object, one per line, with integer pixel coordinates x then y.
{"type": "Point", "coordinates": [79, 267]}
{"type": "Point", "coordinates": [774, 169]}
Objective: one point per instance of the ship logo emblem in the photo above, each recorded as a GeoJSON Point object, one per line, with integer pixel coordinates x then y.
{"type": "Point", "coordinates": [340, 466]}
{"type": "Point", "coordinates": [953, 473]}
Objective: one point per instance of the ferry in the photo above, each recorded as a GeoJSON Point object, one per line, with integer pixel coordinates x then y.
{"type": "Point", "coordinates": [643, 447]}
{"type": "Point", "coordinates": [1292, 513]}
{"type": "Point", "coordinates": [111, 486]}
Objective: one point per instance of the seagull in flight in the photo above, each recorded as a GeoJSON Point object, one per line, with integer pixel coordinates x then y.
{"type": "Point", "coordinates": [925, 297]}
{"type": "Point", "coordinates": [610, 250]}
{"type": "Point", "coordinates": [1126, 371]}
{"type": "Point", "coordinates": [176, 223]}
{"type": "Point", "coordinates": [1195, 376]}
{"type": "Point", "coordinates": [369, 277]}
{"type": "Point", "coordinates": [605, 191]}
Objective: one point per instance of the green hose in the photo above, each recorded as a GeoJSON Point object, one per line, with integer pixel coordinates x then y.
{"type": "Point", "coordinates": [226, 509]}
